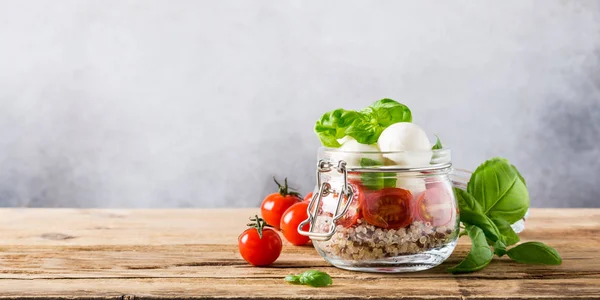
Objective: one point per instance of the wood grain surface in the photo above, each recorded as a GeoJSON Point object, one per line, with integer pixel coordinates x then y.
{"type": "Point", "coordinates": [192, 253]}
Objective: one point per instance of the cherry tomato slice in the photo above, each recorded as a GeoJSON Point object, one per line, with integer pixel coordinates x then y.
{"type": "Point", "coordinates": [354, 212]}
{"type": "Point", "coordinates": [388, 208]}
{"type": "Point", "coordinates": [435, 205]}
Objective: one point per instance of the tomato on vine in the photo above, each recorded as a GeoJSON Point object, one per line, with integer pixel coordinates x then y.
{"type": "Point", "coordinates": [274, 205]}
{"type": "Point", "coordinates": [259, 246]}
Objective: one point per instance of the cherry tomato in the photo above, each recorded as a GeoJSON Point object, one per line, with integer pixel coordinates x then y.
{"type": "Point", "coordinates": [257, 250]}
{"type": "Point", "coordinates": [354, 211]}
{"type": "Point", "coordinates": [308, 197]}
{"type": "Point", "coordinates": [388, 208]}
{"type": "Point", "coordinates": [434, 205]}
{"type": "Point", "coordinates": [290, 220]}
{"type": "Point", "coordinates": [274, 205]}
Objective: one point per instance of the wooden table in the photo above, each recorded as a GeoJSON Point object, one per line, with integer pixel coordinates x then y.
{"type": "Point", "coordinates": [192, 253]}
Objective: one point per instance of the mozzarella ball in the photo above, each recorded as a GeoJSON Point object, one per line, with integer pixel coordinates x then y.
{"type": "Point", "coordinates": [410, 143]}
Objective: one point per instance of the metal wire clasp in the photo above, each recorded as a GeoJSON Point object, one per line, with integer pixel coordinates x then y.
{"type": "Point", "coordinates": [347, 192]}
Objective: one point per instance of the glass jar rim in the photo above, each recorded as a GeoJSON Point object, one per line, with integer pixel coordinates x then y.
{"type": "Point", "coordinates": [444, 151]}
{"type": "Point", "coordinates": [439, 159]}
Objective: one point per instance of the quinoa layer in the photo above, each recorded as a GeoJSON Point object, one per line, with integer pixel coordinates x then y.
{"type": "Point", "coordinates": [367, 242]}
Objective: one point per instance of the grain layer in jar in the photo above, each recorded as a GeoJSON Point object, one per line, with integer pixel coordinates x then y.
{"type": "Point", "coordinates": [398, 219]}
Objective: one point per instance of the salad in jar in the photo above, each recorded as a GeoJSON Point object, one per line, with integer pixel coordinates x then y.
{"type": "Point", "coordinates": [384, 200]}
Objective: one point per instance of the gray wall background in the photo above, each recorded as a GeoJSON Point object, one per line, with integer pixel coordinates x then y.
{"type": "Point", "coordinates": [198, 103]}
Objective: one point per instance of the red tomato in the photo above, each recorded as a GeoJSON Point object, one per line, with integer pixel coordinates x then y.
{"type": "Point", "coordinates": [354, 211]}
{"type": "Point", "coordinates": [260, 251]}
{"type": "Point", "coordinates": [274, 205]}
{"type": "Point", "coordinates": [290, 220]}
{"type": "Point", "coordinates": [388, 208]}
{"type": "Point", "coordinates": [308, 197]}
{"type": "Point", "coordinates": [434, 205]}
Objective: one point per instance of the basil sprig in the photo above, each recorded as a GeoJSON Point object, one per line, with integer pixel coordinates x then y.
{"type": "Point", "coordinates": [496, 197]}
{"type": "Point", "coordinates": [479, 256]}
{"type": "Point", "coordinates": [365, 126]}
{"type": "Point", "coordinates": [535, 253]}
{"type": "Point", "coordinates": [313, 278]}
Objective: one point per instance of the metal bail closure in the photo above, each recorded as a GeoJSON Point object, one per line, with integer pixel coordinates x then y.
{"type": "Point", "coordinates": [347, 192]}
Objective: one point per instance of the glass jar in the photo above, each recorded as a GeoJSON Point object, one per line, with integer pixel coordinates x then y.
{"type": "Point", "coordinates": [383, 211]}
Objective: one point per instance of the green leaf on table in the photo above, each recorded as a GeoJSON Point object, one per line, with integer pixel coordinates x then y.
{"type": "Point", "coordinates": [499, 190]}
{"type": "Point", "coordinates": [479, 256]}
{"type": "Point", "coordinates": [315, 278]}
{"type": "Point", "coordinates": [293, 279]}
{"type": "Point", "coordinates": [510, 236]}
{"type": "Point", "coordinates": [483, 222]}
{"type": "Point", "coordinates": [499, 248]}
{"type": "Point", "coordinates": [535, 253]}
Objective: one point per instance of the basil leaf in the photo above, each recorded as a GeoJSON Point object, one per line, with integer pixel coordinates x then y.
{"type": "Point", "coordinates": [316, 278]}
{"type": "Point", "coordinates": [293, 279]}
{"type": "Point", "coordinates": [466, 201]}
{"type": "Point", "coordinates": [333, 124]}
{"type": "Point", "coordinates": [438, 144]}
{"type": "Point", "coordinates": [499, 248]}
{"type": "Point", "coordinates": [372, 181]}
{"type": "Point", "coordinates": [389, 181]}
{"type": "Point", "coordinates": [372, 120]}
{"type": "Point", "coordinates": [387, 112]}
{"type": "Point", "coordinates": [510, 236]}
{"type": "Point", "coordinates": [483, 222]}
{"type": "Point", "coordinates": [364, 132]}
{"type": "Point", "coordinates": [535, 253]}
{"type": "Point", "coordinates": [479, 256]}
{"type": "Point", "coordinates": [328, 140]}
{"type": "Point", "coordinates": [499, 190]}
{"type": "Point", "coordinates": [519, 174]}
{"type": "Point", "coordinates": [471, 213]}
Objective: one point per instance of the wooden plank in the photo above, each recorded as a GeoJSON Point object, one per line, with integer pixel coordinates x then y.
{"type": "Point", "coordinates": [219, 261]}
{"type": "Point", "coordinates": [382, 287]}
{"type": "Point", "coordinates": [27, 226]}
{"type": "Point", "coordinates": [153, 254]}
